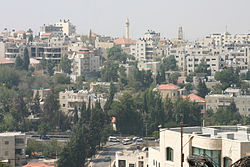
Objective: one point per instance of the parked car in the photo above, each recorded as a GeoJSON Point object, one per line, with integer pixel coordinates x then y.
{"type": "Point", "coordinates": [135, 138]}
{"type": "Point", "coordinates": [113, 139]}
{"type": "Point", "coordinates": [139, 140]}
{"type": "Point", "coordinates": [126, 141]}
{"type": "Point", "coordinates": [44, 137]}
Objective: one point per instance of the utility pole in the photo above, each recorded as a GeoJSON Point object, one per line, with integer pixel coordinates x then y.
{"type": "Point", "coordinates": [182, 156]}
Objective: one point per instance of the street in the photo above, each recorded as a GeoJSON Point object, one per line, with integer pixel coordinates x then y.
{"type": "Point", "coordinates": [108, 151]}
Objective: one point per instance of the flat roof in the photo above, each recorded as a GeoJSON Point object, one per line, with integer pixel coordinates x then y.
{"type": "Point", "coordinates": [12, 134]}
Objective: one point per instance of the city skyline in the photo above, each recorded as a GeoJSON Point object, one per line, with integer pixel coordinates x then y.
{"type": "Point", "coordinates": [108, 17]}
{"type": "Point", "coordinates": [197, 18]}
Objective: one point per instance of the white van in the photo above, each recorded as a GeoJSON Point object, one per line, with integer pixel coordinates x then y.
{"type": "Point", "coordinates": [113, 139]}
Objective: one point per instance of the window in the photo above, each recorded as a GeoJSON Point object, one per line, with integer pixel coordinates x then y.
{"type": "Point", "coordinates": [122, 163]}
{"type": "Point", "coordinates": [6, 153]}
{"type": "Point", "coordinates": [227, 161]}
{"type": "Point", "coordinates": [19, 141]}
{"type": "Point", "coordinates": [169, 154]}
{"type": "Point", "coordinates": [213, 154]}
{"type": "Point", "coordinates": [63, 105]}
{"type": "Point", "coordinates": [6, 142]}
{"type": "Point", "coordinates": [140, 164]}
{"type": "Point", "coordinates": [131, 165]}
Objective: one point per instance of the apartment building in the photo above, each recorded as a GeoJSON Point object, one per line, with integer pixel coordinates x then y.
{"type": "Point", "coordinates": [153, 66]}
{"type": "Point", "coordinates": [84, 61]}
{"type": "Point", "coordinates": [241, 101]}
{"type": "Point", "coordinates": [104, 42]}
{"type": "Point", "coordinates": [67, 27]}
{"type": "Point", "coordinates": [221, 145]}
{"type": "Point", "coordinates": [145, 48]}
{"type": "Point", "coordinates": [131, 159]}
{"type": "Point", "coordinates": [49, 52]}
{"type": "Point", "coordinates": [70, 99]}
{"type": "Point", "coordinates": [54, 30]}
{"type": "Point", "coordinates": [10, 50]}
{"type": "Point", "coordinates": [238, 58]}
{"type": "Point", "coordinates": [12, 146]}
{"type": "Point", "coordinates": [227, 39]}
{"type": "Point", "coordinates": [213, 62]}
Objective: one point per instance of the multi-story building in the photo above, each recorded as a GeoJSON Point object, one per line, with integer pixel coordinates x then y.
{"type": "Point", "coordinates": [145, 48]}
{"type": "Point", "coordinates": [242, 102]}
{"type": "Point", "coordinates": [226, 39]}
{"type": "Point", "coordinates": [221, 145]}
{"type": "Point", "coordinates": [67, 27]}
{"type": "Point", "coordinates": [12, 146]}
{"type": "Point", "coordinates": [53, 29]}
{"type": "Point", "coordinates": [48, 52]}
{"type": "Point", "coordinates": [70, 99]}
{"type": "Point", "coordinates": [10, 50]}
{"type": "Point", "coordinates": [104, 42]}
{"type": "Point", "coordinates": [84, 61]}
{"type": "Point", "coordinates": [153, 66]}
{"type": "Point", "coordinates": [131, 159]}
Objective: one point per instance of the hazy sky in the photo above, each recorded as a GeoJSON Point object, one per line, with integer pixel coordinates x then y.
{"type": "Point", "coordinates": [107, 17]}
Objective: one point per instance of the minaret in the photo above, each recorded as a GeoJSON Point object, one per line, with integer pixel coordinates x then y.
{"type": "Point", "coordinates": [180, 33]}
{"type": "Point", "coordinates": [127, 28]}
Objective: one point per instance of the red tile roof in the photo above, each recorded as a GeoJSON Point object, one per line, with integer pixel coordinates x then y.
{"type": "Point", "coordinates": [37, 164]}
{"type": "Point", "coordinates": [168, 86]}
{"type": "Point", "coordinates": [46, 34]}
{"type": "Point", "coordinates": [122, 41]}
{"type": "Point", "coordinates": [195, 98]}
{"type": "Point", "coordinates": [6, 61]}
{"type": "Point", "coordinates": [20, 32]}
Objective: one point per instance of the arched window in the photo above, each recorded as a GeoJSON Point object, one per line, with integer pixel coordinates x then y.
{"type": "Point", "coordinates": [227, 161]}
{"type": "Point", "coordinates": [169, 154]}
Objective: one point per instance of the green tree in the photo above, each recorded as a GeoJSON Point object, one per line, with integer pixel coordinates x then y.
{"type": "Point", "coordinates": [169, 63]}
{"type": "Point", "coordinates": [112, 91]}
{"type": "Point", "coordinates": [61, 79]}
{"type": "Point", "coordinates": [115, 53]}
{"type": "Point", "coordinates": [50, 67]}
{"type": "Point", "coordinates": [65, 64]}
{"type": "Point", "coordinates": [202, 89]}
{"type": "Point", "coordinates": [19, 111]}
{"type": "Point", "coordinates": [174, 77]}
{"type": "Point", "coordinates": [6, 96]}
{"type": "Point", "coordinates": [110, 72]}
{"type": "Point", "coordinates": [50, 108]}
{"type": "Point", "coordinates": [128, 119]}
{"type": "Point", "coordinates": [202, 68]}
{"type": "Point", "coordinates": [9, 77]}
{"type": "Point", "coordinates": [35, 105]}
{"type": "Point", "coordinates": [74, 154]}
{"type": "Point", "coordinates": [26, 60]}
{"type": "Point", "coordinates": [19, 64]}
{"type": "Point", "coordinates": [43, 129]}
{"type": "Point", "coordinates": [227, 78]}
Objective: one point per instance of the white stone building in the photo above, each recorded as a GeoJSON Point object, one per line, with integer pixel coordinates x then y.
{"type": "Point", "coordinates": [145, 48]}
{"type": "Point", "coordinates": [12, 148]}
{"type": "Point", "coordinates": [84, 61]}
{"type": "Point", "coordinates": [67, 27]}
{"type": "Point", "coordinates": [242, 102]}
{"type": "Point", "coordinates": [223, 145]}
{"type": "Point", "coordinates": [131, 159]}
